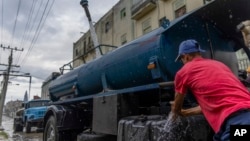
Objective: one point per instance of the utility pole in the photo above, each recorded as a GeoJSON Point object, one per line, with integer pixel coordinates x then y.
{"type": "Point", "coordinates": [24, 75]}
{"type": "Point", "coordinates": [6, 80]}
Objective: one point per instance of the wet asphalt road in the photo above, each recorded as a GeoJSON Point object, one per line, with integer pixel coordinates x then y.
{"type": "Point", "coordinates": [7, 124]}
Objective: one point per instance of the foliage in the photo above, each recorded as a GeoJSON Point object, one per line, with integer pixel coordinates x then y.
{"type": "Point", "coordinates": [3, 134]}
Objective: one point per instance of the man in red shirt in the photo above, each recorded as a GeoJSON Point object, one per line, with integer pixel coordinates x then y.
{"type": "Point", "coordinates": [222, 98]}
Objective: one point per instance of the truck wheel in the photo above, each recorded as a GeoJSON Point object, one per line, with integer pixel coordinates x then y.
{"type": "Point", "coordinates": [18, 128]}
{"type": "Point", "coordinates": [28, 127]}
{"type": "Point", "coordinates": [51, 131]}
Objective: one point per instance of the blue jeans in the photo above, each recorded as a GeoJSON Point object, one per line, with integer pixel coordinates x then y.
{"type": "Point", "coordinates": [241, 117]}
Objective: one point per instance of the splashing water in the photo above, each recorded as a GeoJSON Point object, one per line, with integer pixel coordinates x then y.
{"type": "Point", "coordinates": [164, 128]}
{"type": "Point", "coordinates": [172, 130]}
{"type": "Point", "coordinates": [170, 121]}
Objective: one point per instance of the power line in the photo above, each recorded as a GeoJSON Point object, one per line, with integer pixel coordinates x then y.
{"type": "Point", "coordinates": [2, 22]}
{"type": "Point", "coordinates": [39, 28]}
{"type": "Point", "coordinates": [33, 17]}
{"type": "Point", "coordinates": [26, 28]}
{"type": "Point", "coordinates": [2, 28]}
{"type": "Point", "coordinates": [28, 21]}
{"type": "Point", "coordinates": [31, 28]}
{"type": "Point", "coordinates": [14, 29]}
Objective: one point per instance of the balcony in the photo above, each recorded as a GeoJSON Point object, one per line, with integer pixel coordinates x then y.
{"type": "Point", "coordinates": [141, 8]}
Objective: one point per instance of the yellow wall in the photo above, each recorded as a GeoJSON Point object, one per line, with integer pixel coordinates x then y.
{"type": "Point", "coordinates": [131, 27]}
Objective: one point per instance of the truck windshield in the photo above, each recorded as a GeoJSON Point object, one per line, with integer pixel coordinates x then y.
{"type": "Point", "coordinates": [38, 103]}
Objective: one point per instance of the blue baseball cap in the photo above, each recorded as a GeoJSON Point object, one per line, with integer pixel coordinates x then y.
{"type": "Point", "coordinates": [188, 46]}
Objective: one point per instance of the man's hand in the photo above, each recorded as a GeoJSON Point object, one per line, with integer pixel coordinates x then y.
{"type": "Point", "coordinates": [175, 115]}
{"type": "Point", "coordinates": [176, 105]}
{"type": "Point", "coordinates": [184, 112]}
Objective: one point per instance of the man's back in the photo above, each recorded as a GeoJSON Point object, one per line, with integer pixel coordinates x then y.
{"type": "Point", "coordinates": [216, 88]}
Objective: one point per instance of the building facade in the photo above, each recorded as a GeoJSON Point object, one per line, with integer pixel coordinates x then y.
{"type": "Point", "coordinates": [128, 20]}
{"type": "Point", "coordinates": [45, 85]}
{"type": "Point", "coordinates": [11, 107]}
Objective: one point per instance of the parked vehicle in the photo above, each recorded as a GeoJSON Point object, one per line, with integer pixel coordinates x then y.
{"type": "Point", "coordinates": [124, 95]}
{"type": "Point", "coordinates": [31, 115]}
{"type": "Point", "coordinates": [18, 120]}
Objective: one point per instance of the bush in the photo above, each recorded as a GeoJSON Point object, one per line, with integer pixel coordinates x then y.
{"type": "Point", "coordinates": [3, 134]}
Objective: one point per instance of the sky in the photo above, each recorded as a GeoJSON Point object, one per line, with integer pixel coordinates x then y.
{"type": "Point", "coordinates": [46, 31]}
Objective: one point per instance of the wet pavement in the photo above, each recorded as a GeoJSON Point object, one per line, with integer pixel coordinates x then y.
{"type": "Point", "coordinates": [7, 124]}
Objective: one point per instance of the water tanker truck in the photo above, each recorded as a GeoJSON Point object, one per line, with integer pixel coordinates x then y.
{"type": "Point", "coordinates": [124, 95]}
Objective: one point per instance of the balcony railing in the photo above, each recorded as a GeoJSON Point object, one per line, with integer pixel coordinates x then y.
{"type": "Point", "coordinates": [141, 8]}
{"type": "Point", "coordinates": [243, 64]}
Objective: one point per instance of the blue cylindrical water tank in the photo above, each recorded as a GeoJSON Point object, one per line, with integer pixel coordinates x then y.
{"type": "Point", "coordinates": [122, 68]}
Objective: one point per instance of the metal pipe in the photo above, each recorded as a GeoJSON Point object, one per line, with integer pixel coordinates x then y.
{"type": "Point", "coordinates": [166, 84]}
{"type": "Point", "coordinates": [84, 4]}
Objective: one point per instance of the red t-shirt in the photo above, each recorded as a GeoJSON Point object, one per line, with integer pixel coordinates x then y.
{"type": "Point", "coordinates": [217, 90]}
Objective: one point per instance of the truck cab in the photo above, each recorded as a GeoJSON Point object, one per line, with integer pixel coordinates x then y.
{"type": "Point", "coordinates": [34, 111]}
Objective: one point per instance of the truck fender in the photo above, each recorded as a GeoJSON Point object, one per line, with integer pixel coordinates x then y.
{"type": "Point", "coordinates": [63, 115]}
{"type": "Point", "coordinates": [54, 110]}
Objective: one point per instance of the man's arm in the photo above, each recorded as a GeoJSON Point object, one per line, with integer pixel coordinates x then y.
{"type": "Point", "coordinates": [191, 111]}
{"type": "Point", "coordinates": [178, 102]}
{"type": "Point", "coordinates": [177, 107]}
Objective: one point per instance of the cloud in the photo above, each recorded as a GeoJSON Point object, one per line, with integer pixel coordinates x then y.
{"type": "Point", "coordinates": [54, 45]}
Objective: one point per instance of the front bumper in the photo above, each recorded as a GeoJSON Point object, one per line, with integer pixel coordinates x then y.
{"type": "Point", "coordinates": [38, 120]}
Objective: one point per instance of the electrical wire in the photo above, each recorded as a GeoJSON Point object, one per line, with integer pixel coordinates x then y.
{"type": "Point", "coordinates": [26, 29]}
{"type": "Point", "coordinates": [14, 29]}
{"type": "Point", "coordinates": [32, 18]}
{"type": "Point", "coordinates": [2, 28]}
{"type": "Point", "coordinates": [28, 37]}
{"type": "Point", "coordinates": [2, 23]}
{"type": "Point", "coordinates": [38, 30]}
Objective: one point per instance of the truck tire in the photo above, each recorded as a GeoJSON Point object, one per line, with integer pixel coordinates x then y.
{"type": "Point", "coordinates": [18, 128]}
{"type": "Point", "coordinates": [28, 127]}
{"type": "Point", "coordinates": [51, 132]}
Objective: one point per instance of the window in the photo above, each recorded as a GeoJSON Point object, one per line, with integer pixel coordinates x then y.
{"type": "Point", "coordinates": [181, 11]}
{"type": "Point", "coordinates": [38, 103]}
{"type": "Point", "coordinates": [124, 38]}
{"type": "Point", "coordinates": [146, 26]}
{"type": "Point", "coordinates": [207, 1]}
{"type": "Point", "coordinates": [179, 7]}
{"type": "Point", "coordinates": [89, 43]}
{"type": "Point", "coordinates": [123, 13]}
{"type": "Point", "coordinates": [76, 51]}
{"type": "Point", "coordinates": [107, 27]}
{"type": "Point", "coordinates": [84, 46]}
